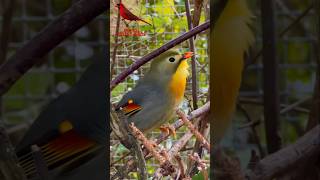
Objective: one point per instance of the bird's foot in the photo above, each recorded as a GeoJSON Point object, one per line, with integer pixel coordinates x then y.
{"type": "Point", "coordinates": [168, 129]}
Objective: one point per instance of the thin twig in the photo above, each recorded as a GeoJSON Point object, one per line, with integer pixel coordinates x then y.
{"type": "Point", "coordinates": [150, 146]}
{"type": "Point", "coordinates": [281, 34]}
{"type": "Point", "coordinates": [165, 165]}
{"type": "Point", "coordinates": [260, 103]}
{"type": "Point", "coordinates": [121, 77]}
{"type": "Point", "coordinates": [194, 130]}
{"type": "Point", "coordinates": [113, 62]}
{"type": "Point", "coordinates": [294, 105]}
{"type": "Point", "coordinates": [179, 144]}
{"type": "Point", "coordinates": [173, 152]}
{"type": "Point", "coordinates": [193, 58]}
{"type": "Point", "coordinates": [181, 167]}
{"type": "Point", "coordinates": [201, 164]}
{"type": "Point", "coordinates": [253, 129]}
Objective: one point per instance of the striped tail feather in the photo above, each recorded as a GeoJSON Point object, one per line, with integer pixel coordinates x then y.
{"type": "Point", "coordinates": [59, 152]}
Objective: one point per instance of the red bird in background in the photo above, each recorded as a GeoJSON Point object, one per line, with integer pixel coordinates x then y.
{"type": "Point", "coordinates": [126, 14]}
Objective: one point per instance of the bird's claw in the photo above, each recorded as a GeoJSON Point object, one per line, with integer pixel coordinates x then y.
{"type": "Point", "coordinates": [168, 129]}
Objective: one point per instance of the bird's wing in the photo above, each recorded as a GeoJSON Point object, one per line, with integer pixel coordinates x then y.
{"type": "Point", "coordinates": [129, 104]}
{"type": "Point", "coordinates": [129, 15]}
{"type": "Point", "coordinates": [149, 105]}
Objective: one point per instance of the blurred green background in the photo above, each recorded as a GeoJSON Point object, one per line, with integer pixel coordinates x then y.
{"type": "Point", "coordinates": [297, 54]}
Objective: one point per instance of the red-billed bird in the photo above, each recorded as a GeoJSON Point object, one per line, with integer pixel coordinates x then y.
{"type": "Point", "coordinates": [126, 14]}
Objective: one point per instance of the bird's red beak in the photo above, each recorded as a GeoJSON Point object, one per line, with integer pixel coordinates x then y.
{"type": "Point", "coordinates": [187, 55]}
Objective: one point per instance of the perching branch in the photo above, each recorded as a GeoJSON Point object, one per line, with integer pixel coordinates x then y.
{"type": "Point", "coordinates": [157, 52]}
{"type": "Point", "coordinates": [54, 33]}
{"type": "Point", "coordinates": [288, 159]}
{"type": "Point", "coordinates": [121, 129]}
{"type": "Point", "coordinates": [193, 129]}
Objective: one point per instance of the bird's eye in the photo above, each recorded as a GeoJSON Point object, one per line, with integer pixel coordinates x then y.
{"type": "Point", "coordinates": [171, 59]}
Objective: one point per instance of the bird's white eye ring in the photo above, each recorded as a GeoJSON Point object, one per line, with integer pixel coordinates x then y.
{"type": "Point", "coordinates": [172, 59]}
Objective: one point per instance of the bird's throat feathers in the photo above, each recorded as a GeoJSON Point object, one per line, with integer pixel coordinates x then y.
{"type": "Point", "coordinates": [178, 81]}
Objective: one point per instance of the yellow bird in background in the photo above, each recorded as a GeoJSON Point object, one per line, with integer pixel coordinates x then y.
{"type": "Point", "coordinates": [231, 39]}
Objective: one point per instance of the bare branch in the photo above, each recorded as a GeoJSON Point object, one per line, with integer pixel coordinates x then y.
{"type": "Point", "coordinates": [193, 58]}
{"type": "Point", "coordinates": [194, 130]}
{"type": "Point", "coordinates": [289, 158]}
{"type": "Point", "coordinates": [270, 76]}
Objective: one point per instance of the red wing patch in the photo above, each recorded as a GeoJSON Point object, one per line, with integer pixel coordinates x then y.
{"type": "Point", "coordinates": [131, 108]}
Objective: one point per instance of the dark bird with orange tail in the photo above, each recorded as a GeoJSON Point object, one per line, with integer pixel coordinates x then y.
{"type": "Point", "coordinates": [126, 14]}
{"type": "Point", "coordinates": [71, 131]}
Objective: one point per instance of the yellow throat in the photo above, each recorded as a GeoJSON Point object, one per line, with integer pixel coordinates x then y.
{"type": "Point", "coordinates": [178, 82]}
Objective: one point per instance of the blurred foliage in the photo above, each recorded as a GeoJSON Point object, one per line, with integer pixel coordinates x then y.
{"type": "Point", "coordinates": [297, 56]}
{"type": "Point", "coordinates": [63, 65]}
